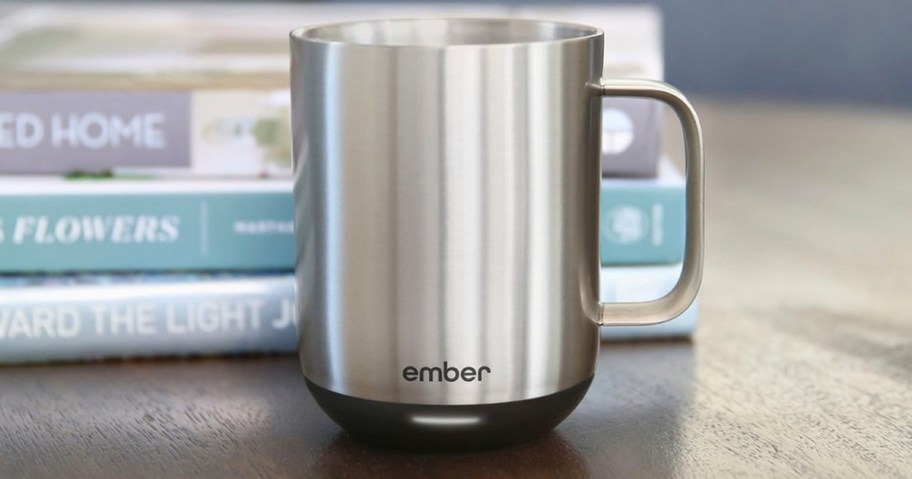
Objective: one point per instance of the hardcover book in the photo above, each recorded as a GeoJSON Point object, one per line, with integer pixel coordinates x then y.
{"type": "Point", "coordinates": [65, 225]}
{"type": "Point", "coordinates": [202, 90]}
{"type": "Point", "coordinates": [643, 220]}
{"type": "Point", "coordinates": [87, 317]}
{"type": "Point", "coordinates": [105, 225]}
{"type": "Point", "coordinates": [95, 317]}
{"type": "Point", "coordinates": [102, 88]}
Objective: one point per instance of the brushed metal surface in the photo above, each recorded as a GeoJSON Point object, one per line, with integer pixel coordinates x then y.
{"type": "Point", "coordinates": [447, 185]}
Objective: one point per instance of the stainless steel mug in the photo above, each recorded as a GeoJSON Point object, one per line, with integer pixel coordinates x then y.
{"type": "Point", "coordinates": [446, 187]}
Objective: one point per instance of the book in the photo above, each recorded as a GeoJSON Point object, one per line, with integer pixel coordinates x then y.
{"type": "Point", "coordinates": [644, 283]}
{"type": "Point", "coordinates": [90, 317]}
{"type": "Point", "coordinates": [107, 225]}
{"type": "Point", "coordinates": [95, 89]}
{"type": "Point", "coordinates": [66, 225]}
{"type": "Point", "coordinates": [643, 220]}
{"type": "Point", "coordinates": [631, 137]}
{"type": "Point", "coordinates": [45, 319]}
{"type": "Point", "coordinates": [104, 225]}
{"type": "Point", "coordinates": [202, 90]}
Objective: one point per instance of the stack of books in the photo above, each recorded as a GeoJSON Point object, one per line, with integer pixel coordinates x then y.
{"type": "Point", "coordinates": [145, 197]}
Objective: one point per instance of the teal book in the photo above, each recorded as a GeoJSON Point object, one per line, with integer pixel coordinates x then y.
{"type": "Point", "coordinates": [102, 225]}
{"type": "Point", "coordinates": [107, 225]}
{"type": "Point", "coordinates": [643, 220]}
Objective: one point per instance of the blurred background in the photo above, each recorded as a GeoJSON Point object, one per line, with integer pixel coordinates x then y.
{"type": "Point", "coordinates": [813, 50]}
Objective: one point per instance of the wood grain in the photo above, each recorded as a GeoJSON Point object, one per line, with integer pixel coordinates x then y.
{"type": "Point", "coordinates": [802, 365]}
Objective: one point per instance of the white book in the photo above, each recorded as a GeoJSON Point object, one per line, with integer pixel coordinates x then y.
{"type": "Point", "coordinates": [86, 317]}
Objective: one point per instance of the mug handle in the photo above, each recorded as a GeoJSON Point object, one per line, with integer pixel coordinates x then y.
{"type": "Point", "coordinates": [685, 290]}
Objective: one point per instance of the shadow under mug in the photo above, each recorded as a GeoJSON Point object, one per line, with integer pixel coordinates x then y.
{"type": "Point", "coordinates": [447, 181]}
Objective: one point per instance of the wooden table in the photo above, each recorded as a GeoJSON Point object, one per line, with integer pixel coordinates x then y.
{"type": "Point", "coordinates": [802, 365]}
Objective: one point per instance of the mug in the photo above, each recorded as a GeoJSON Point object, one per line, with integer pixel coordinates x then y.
{"type": "Point", "coordinates": [447, 185]}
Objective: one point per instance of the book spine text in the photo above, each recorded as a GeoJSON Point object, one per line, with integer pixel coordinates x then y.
{"type": "Point", "coordinates": [641, 224]}
{"type": "Point", "coordinates": [151, 232]}
{"type": "Point", "coordinates": [39, 324]}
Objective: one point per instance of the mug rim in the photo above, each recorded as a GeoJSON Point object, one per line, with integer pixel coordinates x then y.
{"type": "Point", "coordinates": [309, 33]}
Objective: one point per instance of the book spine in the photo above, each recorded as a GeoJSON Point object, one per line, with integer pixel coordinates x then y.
{"type": "Point", "coordinates": [221, 132]}
{"type": "Point", "coordinates": [43, 324]}
{"type": "Point", "coordinates": [644, 283]}
{"type": "Point", "coordinates": [642, 222]}
{"type": "Point", "coordinates": [223, 316]}
{"type": "Point", "coordinates": [178, 132]}
{"type": "Point", "coordinates": [243, 230]}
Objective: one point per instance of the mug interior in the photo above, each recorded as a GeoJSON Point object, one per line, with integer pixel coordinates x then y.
{"type": "Point", "coordinates": [445, 32]}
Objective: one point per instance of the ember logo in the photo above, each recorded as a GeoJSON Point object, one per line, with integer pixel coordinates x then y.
{"type": "Point", "coordinates": [445, 373]}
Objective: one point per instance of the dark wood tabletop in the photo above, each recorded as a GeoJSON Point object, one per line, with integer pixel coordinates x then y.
{"type": "Point", "coordinates": [802, 364]}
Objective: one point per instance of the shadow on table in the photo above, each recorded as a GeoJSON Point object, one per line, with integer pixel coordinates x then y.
{"type": "Point", "coordinates": [549, 456]}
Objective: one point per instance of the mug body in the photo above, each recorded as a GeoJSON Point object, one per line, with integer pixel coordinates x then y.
{"type": "Point", "coordinates": [446, 189]}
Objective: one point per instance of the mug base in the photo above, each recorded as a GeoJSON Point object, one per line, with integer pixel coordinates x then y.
{"type": "Point", "coordinates": [423, 427]}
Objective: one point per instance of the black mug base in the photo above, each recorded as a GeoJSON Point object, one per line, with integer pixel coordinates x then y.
{"type": "Point", "coordinates": [448, 428]}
